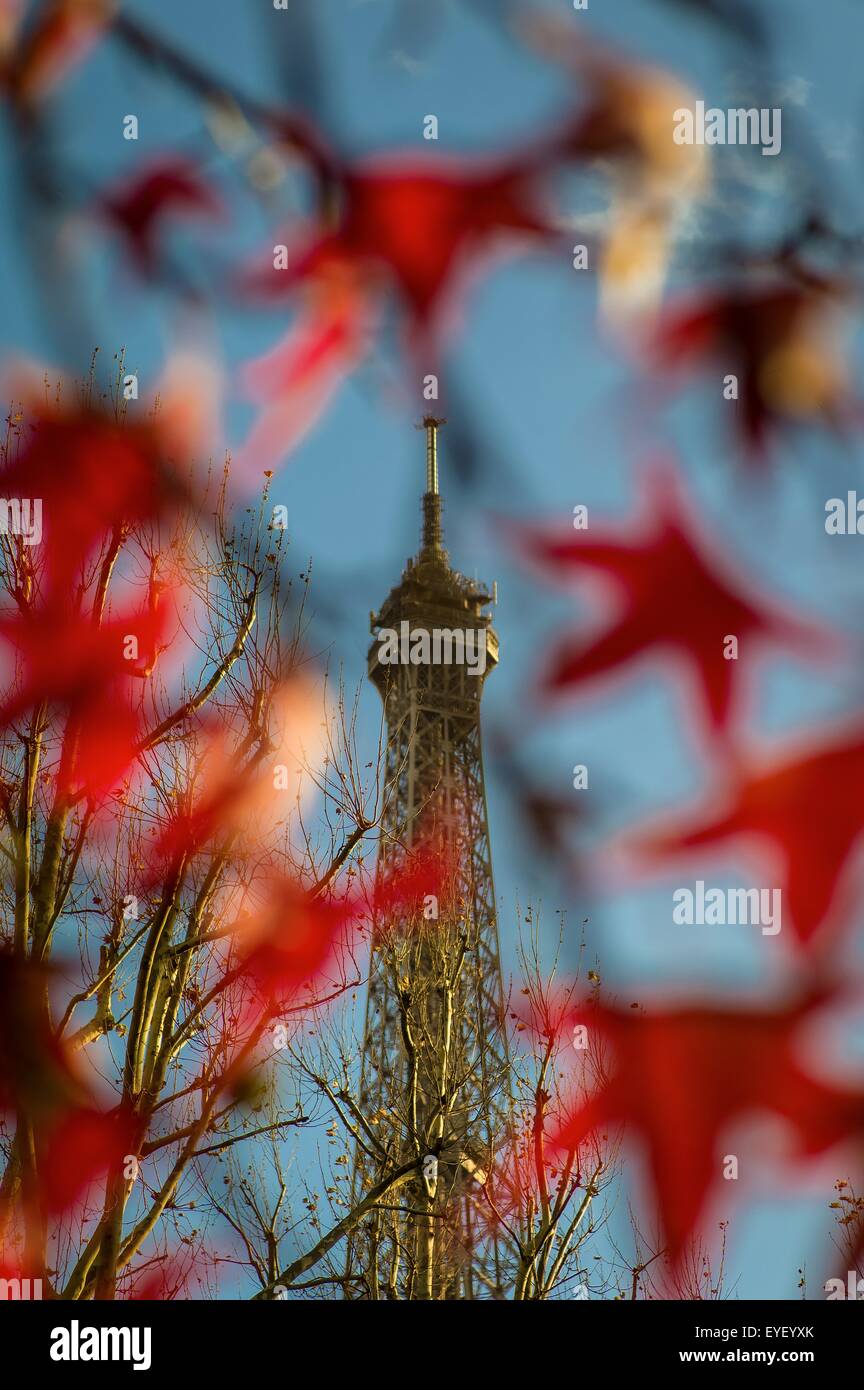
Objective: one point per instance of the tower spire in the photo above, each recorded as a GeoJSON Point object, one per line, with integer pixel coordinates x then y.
{"type": "Point", "coordinates": [432, 537]}
{"type": "Point", "coordinates": [430, 424]}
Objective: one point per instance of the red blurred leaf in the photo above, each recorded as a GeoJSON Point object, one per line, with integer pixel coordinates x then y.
{"type": "Point", "coordinates": [75, 1143]}
{"type": "Point", "coordinates": [673, 598]}
{"type": "Point", "coordinates": [419, 228]}
{"type": "Point", "coordinates": [783, 340]}
{"type": "Point", "coordinates": [405, 228]}
{"type": "Point", "coordinates": [234, 784]}
{"type": "Point", "coordinates": [401, 888]}
{"type": "Point", "coordinates": [93, 475]}
{"type": "Point", "coordinates": [683, 1077]}
{"type": "Point", "coordinates": [292, 938]}
{"type": "Point", "coordinates": [139, 206]}
{"type": "Point", "coordinates": [90, 672]}
{"type": "Point", "coordinates": [61, 36]}
{"type": "Point", "coordinates": [108, 732]}
{"type": "Point", "coordinates": [806, 806]}
{"type": "Point", "coordinates": [295, 380]}
{"type": "Point", "coordinates": [68, 657]}
{"type": "Point", "coordinates": [76, 1150]}
{"type": "Point", "coordinates": [400, 230]}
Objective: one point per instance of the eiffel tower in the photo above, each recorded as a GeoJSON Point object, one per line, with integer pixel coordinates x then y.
{"type": "Point", "coordinates": [435, 1073]}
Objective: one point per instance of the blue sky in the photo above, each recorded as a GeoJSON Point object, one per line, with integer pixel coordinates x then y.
{"type": "Point", "coordinates": [551, 398]}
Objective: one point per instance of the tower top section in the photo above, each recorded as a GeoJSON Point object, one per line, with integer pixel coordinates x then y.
{"type": "Point", "coordinates": [431, 593]}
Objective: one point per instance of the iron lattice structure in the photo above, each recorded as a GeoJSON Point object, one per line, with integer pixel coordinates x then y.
{"type": "Point", "coordinates": [435, 1072]}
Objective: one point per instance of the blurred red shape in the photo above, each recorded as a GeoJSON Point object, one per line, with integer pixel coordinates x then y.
{"type": "Point", "coordinates": [68, 658]}
{"type": "Point", "coordinates": [289, 941]}
{"type": "Point", "coordinates": [59, 39]}
{"type": "Point", "coordinates": [807, 807]}
{"type": "Point", "coordinates": [90, 672]}
{"type": "Point", "coordinates": [93, 475]}
{"type": "Point", "coordinates": [74, 1142]}
{"type": "Point", "coordinates": [419, 228]}
{"type": "Point", "coordinates": [139, 206]}
{"type": "Point", "coordinates": [783, 340]}
{"type": "Point", "coordinates": [234, 792]}
{"type": "Point", "coordinates": [403, 886]}
{"type": "Point", "coordinates": [673, 597]}
{"type": "Point", "coordinates": [400, 229]}
{"type": "Point", "coordinates": [411, 230]}
{"type": "Point", "coordinates": [294, 381]}
{"type": "Point", "coordinates": [682, 1077]}
{"type": "Point", "coordinates": [108, 734]}
{"type": "Point", "coordinates": [80, 1147]}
